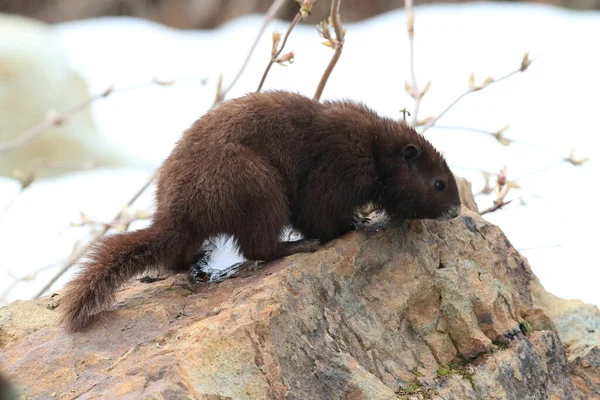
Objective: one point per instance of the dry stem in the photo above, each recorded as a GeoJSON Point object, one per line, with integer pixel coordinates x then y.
{"type": "Point", "coordinates": [502, 187]}
{"type": "Point", "coordinates": [50, 121]}
{"type": "Point", "coordinates": [17, 280]}
{"type": "Point", "coordinates": [413, 88]}
{"type": "Point", "coordinates": [77, 255]}
{"type": "Point", "coordinates": [122, 224]}
{"type": "Point", "coordinates": [271, 12]}
{"type": "Point", "coordinates": [499, 136]}
{"type": "Point", "coordinates": [543, 169]}
{"type": "Point", "coordinates": [497, 206]}
{"type": "Point", "coordinates": [337, 44]}
{"type": "Point", "coordinates": [417, 94]}
{"type": "Point", "coordinates": [431, 122]}
{"type": "Point", "coordinates": [275, 55]}
{"type": "Point", "coordinates": [53, 119]}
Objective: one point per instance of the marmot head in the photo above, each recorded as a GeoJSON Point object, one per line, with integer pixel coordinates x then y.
{"type": "Point", "coordinates": [416, 181]}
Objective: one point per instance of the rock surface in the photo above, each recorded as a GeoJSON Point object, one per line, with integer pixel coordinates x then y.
{"type": "Point", "coordinates": [444, 310]}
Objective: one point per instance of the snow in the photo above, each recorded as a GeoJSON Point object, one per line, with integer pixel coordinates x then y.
{"type": "Point", "coordinates": [552, 105]}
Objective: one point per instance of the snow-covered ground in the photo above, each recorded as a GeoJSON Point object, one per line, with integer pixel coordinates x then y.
{"type": "Point", "coordinates": [552, 105]}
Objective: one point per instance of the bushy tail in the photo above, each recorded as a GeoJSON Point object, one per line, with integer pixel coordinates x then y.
{"type": "Point", "coordinates": [111, 262]}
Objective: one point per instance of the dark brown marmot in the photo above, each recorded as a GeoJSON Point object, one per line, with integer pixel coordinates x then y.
{"type": "Point", "coordinates": [254, 165]}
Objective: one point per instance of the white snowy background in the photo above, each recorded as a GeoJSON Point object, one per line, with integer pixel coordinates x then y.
{"type": "Point", "coordinates": [553, 105]}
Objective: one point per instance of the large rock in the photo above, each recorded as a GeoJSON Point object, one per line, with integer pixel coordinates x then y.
{"type": "Point", "coordinates": [422, 310]}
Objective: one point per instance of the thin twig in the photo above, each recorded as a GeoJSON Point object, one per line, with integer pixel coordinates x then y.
{"type": "Point", "coordinates": [276, 54]}
{"type": "Point", "coordinates": [338, 44]}
{"type": "Point", "coordinates": [50, 121]}
{"type": "Point", "coordinates": [271, 12]}
{"type": "Point", "coordinates": [75, 257]}
{"type": "Point", "coordinates": [219, 94]}
{"type": "Point", "coordinates": [122, 224]}
{"type": "Point", "coordinates": [495, 207]}
{"type": "Point", "coordinates": [53, 119]}
{"type": "Point", "coordinates": [17, 280]}
{"type": "Point", "coordinates": [502, 139]}
{"type": "Point", "coordinates": [413, 88]}
{"type": "Point", "coordinates": [544, 169]}
{"type": "Point", "coordinates": [473, 89]}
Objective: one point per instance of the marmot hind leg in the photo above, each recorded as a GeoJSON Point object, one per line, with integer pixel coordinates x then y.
{"type": "Point", "coordinates": [193, 255]}
{"type": "Point", "coordinates": [265, 218]}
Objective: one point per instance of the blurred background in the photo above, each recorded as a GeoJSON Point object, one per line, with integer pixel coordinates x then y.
{"type": "Point", "coordinates": [206, 14]}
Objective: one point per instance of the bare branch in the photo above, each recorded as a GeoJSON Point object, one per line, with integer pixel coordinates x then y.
{"type": "Point", "coordinates": [53, 119]}
{"type": "Point", "coordinates": [271, 12]}
{"type": "Point", "coordinates": [219, 94]}
{"type": "Point", "coordinates": [475, 88]}
{"type": "Point", "coordinates": [275, 53]}
{"type": "Point", "coordinates": [413, 88]}
{"type": "Point", "coordinates": [17, 280]}
{"type": "Point", "coordinates": [337, 44]}
{"type": "Point", "coordinates": [502, 188]}
{"type": "Point", "coordinates": [78, 254]}
{"type": "Point", "coordinates": [497, 206]}
{"type": "Point", "coordinates": [26, 179]}
{"type": "Point", "coordinates": [544, 169]}
{"type": "Point", "coordinates": [576, 161]}
{"type": "Point", "coordinates": [503, 140]}
{"type": "Point", "coordinates": [122, 224]}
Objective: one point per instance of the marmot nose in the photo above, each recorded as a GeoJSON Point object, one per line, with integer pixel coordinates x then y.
{"type": "Point", "coordinates": [451, 213]}
{"type": "Point", "coordinates": [454, 211]}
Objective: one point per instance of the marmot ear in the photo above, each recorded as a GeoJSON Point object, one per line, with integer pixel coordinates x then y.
{"type": "Point", "coordinates": [411, 152]}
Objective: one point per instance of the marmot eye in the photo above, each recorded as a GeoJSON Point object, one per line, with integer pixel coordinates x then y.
{"type": "Point", "coordinates": [440, 186]}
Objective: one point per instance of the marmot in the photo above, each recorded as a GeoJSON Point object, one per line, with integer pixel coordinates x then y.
{"type": "Point", "coordinates": [253, 165]}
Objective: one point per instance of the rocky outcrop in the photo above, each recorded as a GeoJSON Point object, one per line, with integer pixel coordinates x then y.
{"type": "Point", "coordinates": [423, 309]}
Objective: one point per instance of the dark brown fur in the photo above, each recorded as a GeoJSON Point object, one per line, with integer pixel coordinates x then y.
{"type": "Point", "coordinates": [252, 166]}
